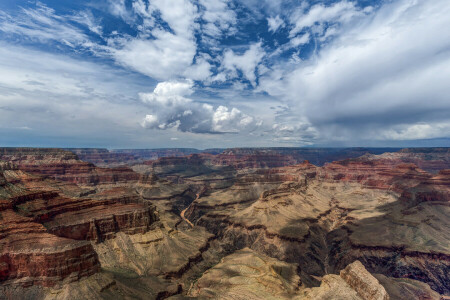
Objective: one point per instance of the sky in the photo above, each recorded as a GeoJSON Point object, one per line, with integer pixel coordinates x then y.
{"type": "Point", "coordinates": [224, 73]}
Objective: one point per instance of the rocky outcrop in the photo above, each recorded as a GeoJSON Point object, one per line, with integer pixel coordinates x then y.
{"type": "Point", "coordinates": [159, 252]}
{"type": "Point", "coordinates": [355, 282]}
{"type": "Point", "coordinates": [64, 165]}
{"type": "Point", "coordinates": [363, 282]}
{"type": "Point", "coordinates": [430, 159]}
{"type": "Point", "coordinates": [31, 256]}
{"type": "Point", "coordinates": [405, 288]}
{"type": "Point", "coordinates": [325, 218]}
{"type": "Point", "coordinates": [255, 160]}
{"type": "Point", "coordinates": [87, 218]}
{"type": "Point", "coordinates": [104, 157]}
{"type": "Point", "coordinates": [240, 157]}
{"type": "Point", "coordinates": [248, 275]}
{"type": "Point", "coordinates": [121, 157]}
{"type": "Point", "coordinates": [375, 173]}
{"type": "Point", "coordinates": [249, 223]}
{"type": "Point", "coordinates": [45, 235]}
{"type": "Point", "coordinates": [317, 156]}
{"type": "Point", "coordinates": [332, 287]}
{"type": "Point", "coordinates": [102, 222]}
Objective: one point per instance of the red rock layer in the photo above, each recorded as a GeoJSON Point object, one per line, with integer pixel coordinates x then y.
{"type": "Point", "coordinates": [376, 174]}
{"type": "Point", "coordinates": [29, 253]}
{"type": "Point", "coordinates": [104, 157]}
{"type": "Point", "coordinates": [65, 166]}
{"type": "Point", "coordinates": [102, 221]}
{"type": "Point", "coordinates": [44, 234]}
{"type": "Point", "coordinates": [84, 218]}
{"type": "Point", "coordinates": [429, 159]}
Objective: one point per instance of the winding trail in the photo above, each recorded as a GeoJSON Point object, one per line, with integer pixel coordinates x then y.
{"type": "Point", "coordinates": [184, 211]}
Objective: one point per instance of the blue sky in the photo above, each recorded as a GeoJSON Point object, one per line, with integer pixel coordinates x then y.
{"type": "Point", "coordinates": [224, 73]}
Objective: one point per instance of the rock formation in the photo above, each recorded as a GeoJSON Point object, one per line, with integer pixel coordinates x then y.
{"type": "Point", "coordinates": [365, 285]}
{"type": "Point", "coordinates": [248, 275]}
{"type": "Point", "coordinates": [236, 223]}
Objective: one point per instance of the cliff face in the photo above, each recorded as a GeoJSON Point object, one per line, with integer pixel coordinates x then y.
{"type": "Point", "coordinates": [388, 214]}
{"type": "Point", "coordinates": [31, 256]}
{"type": "Point", "coordinates": [365, 285]}
{"type": "Point", "coordinates": [64, 165]}
{"type": "Point", "coordinates": [247, 274]}
{"type": "Point", "coordinates": [252, 158]}
{"type": "Point", "coordinates": [429, 159]}
{"type": "Point", "coordinates": [104, 157]}
{"type": "Point", "coordinates": [267, 156]}
{"type": "Point", "coordinates": [240, 223]}
{"type": "Point", "coordinates": [121, 157]}
{"type": "Point", "coordinates": [45, 234]}
{"type": "Point", "coordinates": [60, 231]}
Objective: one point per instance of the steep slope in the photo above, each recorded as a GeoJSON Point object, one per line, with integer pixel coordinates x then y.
{"type": "Point", "coordinates": [63, 235]}
{"type": "Point", "coordinates": [240, 224]}
{"type": "Point", "coordinates": [247, 274]}
{"type": "Point", "coordinates": [29, 254]}
{"type": "Point", "coordinates": [392, 217]}
{"type": "Point", "coordinates": [65, 166]}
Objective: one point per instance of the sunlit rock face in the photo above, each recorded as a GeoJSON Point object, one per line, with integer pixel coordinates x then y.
{"type": "Point", "coordinates": [240, 223]}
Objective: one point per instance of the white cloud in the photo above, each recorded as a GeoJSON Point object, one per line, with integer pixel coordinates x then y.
{"type": "Point", "coordinates": [86, 18]}
{"type": "Point", "coordinates": [275, 23]}
{"type": "Point", "coordinates": [300, 40]}
{"type": "Point", "coordinates": [118, 8]}
{"type": "Point", "coordinates": [246, 63]}
{"type": "Point", "coordinates": [169, 93]}
{"type": "Point", "coordinates": [388, 71]}
{"type": "Point", "coordinates": [171, 108]}
{"type": "Point", "coordinates": [375, 74]}
{"type": "Point", "coordinates": [64, 99]}
{"type": "Point", "coordinates": [201, 70]}
{"type": "Point", "coordinates": [219, 17]}
{"type": "Point", "coordinates": [341, 12]}
{"type": "Point", "coordinates": [165, 57]}
{"type": "Point", "coordinates": [167, 54]}
{"type": "Point", "coordinates": [230, 121]}
{"type": "Point", "coordinates": [416, 131]}
{"type": "Point", "coordinates": [43, 25]}
{"type": "Point", "coordinates": [179, 15]}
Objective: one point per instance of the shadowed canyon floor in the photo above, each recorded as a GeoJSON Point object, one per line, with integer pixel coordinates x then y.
{"type": "Point", "coordinates": [225, 223]}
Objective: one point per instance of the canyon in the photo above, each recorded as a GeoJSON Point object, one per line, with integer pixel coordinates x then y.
{"type": "Point", "coordinates": [241, 223]}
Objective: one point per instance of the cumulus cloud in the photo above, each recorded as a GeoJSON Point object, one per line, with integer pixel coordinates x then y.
{"type": "Point", "coordinates": [200, 70]}
{"type": "Point", "coordinates": [225, 120]}
{"type": "Point", "coordinates": [219, 18]}
{"type": "Point", "coordinates": [166, 54]}
{"type": "Point", "coordinates": [172, 108]}
{"type": "Point", "coordinates": [340, 70]}
{"type": "Point", "coordinates": [179, 15]}
{"type": "Point", "coordinates": [246, 63]}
